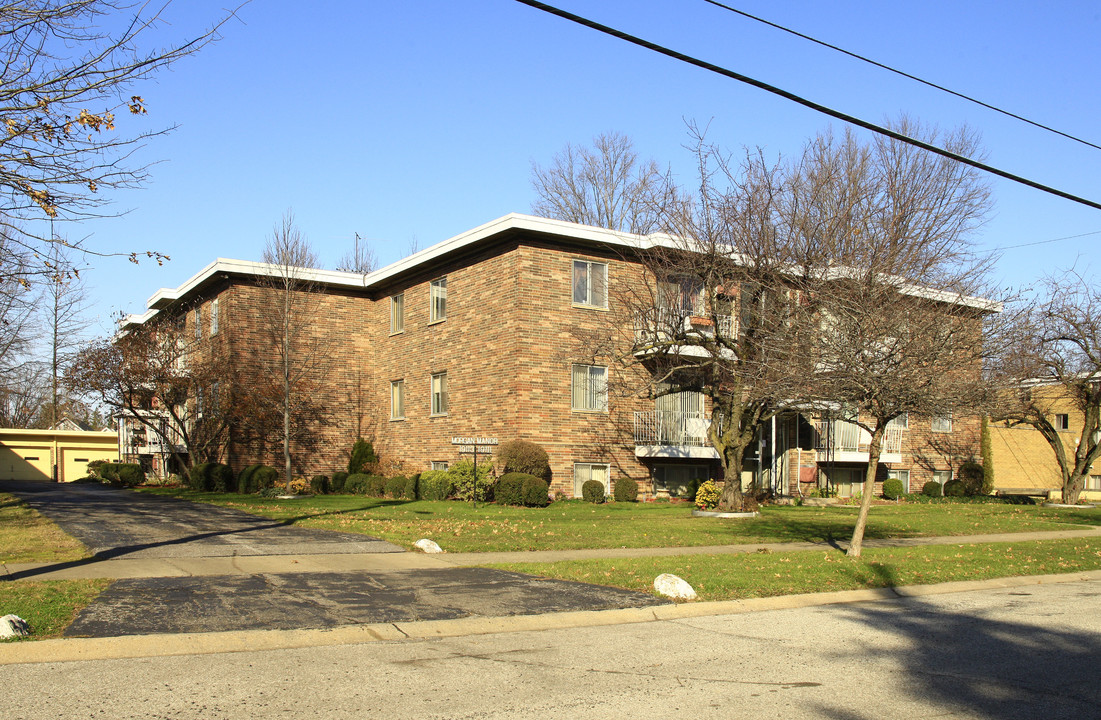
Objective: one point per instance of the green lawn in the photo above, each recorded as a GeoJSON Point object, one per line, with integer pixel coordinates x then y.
{"type": "Point", "coordinates": [458, 527]}
{"type": "Point", "coordinates": [26, 536]}
{"type": "Point", "coordinates": [729, 577]}
{"type": "Point", "coordinates": [49, 606]}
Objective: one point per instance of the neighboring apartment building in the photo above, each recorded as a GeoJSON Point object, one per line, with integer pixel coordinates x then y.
{"type": "Point", "coordinates": [483, 335]}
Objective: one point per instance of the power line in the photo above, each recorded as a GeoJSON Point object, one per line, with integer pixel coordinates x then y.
{"type": "Point", "coordinates": [1045, 242]}
{"type": "Point", "coordinates": [902, 73]}
{"type": "Point", "coordinates": [804, 102]}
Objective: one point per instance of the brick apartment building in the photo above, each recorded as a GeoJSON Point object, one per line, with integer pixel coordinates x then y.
{"type": "Point", "coordinates": [479, 336]}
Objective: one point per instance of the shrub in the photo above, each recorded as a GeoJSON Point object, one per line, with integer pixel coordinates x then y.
{"type": "Point", "coordinates": [95, 468]}
{"type": "Point", "coordinates": [411, 490]}
{"type": "Point", "coordinates": [463, 481]}
{"type": "Point", "coordinates": [535, 492]}
{"type": "Point", "coordinates": [510, 488]}
{"type": "Point", "coordinates": [974, 479]}
{"type": "Point", "coordinates": [246, 482]}
{"type": "Point", "coordinates": [893, 489]}
{"type": "Point", "coordinates": [524, 456]}
{"type": "Point", "coordinates": [212, 477]}
{"type": "Point", "coordinates": [593, 491]}
{"type": "Point", "coordinates": [319, 484]}
{"type": "Point", "coordinates": [363, 454]}
{"type": "Point", "coordinates": [395, 487]}
{"type": "Point", "coordinates": [955, 488]}
{"type": "Point", "coordinates": [265, 477]}
{"type": "Point", "coordinates": [337, 481]}
{"type": "Point", "coordinates": [625, 490]}
{"type": "Point", "coordinates": [376, 486]}
{"type": "Point", "coordinates": [750, 504]}
{"type": "Point", "coordinates": [196, 477]}
{"type": "Point", "coordinates": [435, 485]}
{"type": "Point", "coordinates": [932, 489]}
{"type": "Point", "coordinates": [707, 495]}
{"type": "Point", "coordinates": [357, 483]}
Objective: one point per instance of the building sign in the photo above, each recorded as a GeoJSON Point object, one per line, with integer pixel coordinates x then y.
{"type": "Point", "coordinates": [473, 441]}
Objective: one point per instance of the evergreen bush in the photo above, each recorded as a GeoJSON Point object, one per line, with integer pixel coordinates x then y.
{"type": "Point", "coordinates": [593, 491]}
{"type": "Point", "coordinates": [363, 455]}
{"type": "Point", "coordinates": [337, 481]}
{"type": "Point", "coordinates": [395, 487]}
{"type": "Point", "coordinates": [932, 489]}
{"type": "Point", "coordinates": [893, 489]}
{"type": "Point", "coordinates": [510, 488]}
{"type": "Point", "coordinates": [435, 485]}
{"type": "Point", "coordinates": [524, 456]}
{"type": "Point", "coordinates": [535, 492]}
{"type": "Point", "coordinates": [376, 486]}
{"type": "Point", "coordinates": [625, 490]}
{"type": "Point", "coordinates": [265, 477]}
{"type": "Point", "coordinates": [955, 488]}
{"type": "Point", "coordinates": [357, 483]}
{"type": "Point", "coordinates": [462, 480]}
{"type": "Point", "coordinates": [319, 484]}
{"type": "Point", "coordinates": [974, 479]}
{"type": "Point", "coordinates": [246, 483]}
{"type": "Point", "coordinates": [411, 490]}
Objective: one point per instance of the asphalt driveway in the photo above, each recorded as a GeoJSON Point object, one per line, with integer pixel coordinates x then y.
{"type": "Point", "coordinates": [122, 527]}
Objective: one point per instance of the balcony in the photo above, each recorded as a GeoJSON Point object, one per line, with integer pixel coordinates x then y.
{"type": "Point", "coordinates": [668, 323]}
{"type": "Point", "coordinates": [664, 433]}
{"type": "Point", "coordinates": [844, 441]}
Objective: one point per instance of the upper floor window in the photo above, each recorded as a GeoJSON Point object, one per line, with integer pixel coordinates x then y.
{"type": "Point", "coordinates": [1062, 421]}
{"type": "Point", "coordinates": [590, 283]}
{"type": "Point", "coordinates": [199, 323]}
{"type": "Point", "coordinates": [397, 313]}
{"type": "Point", "coordinates": [942, 423]}
{"type": "Point", "coordinates": [397, 400]}
{"type": "Point", "coordinates": [214, 316]}
{"type": "Point", "coordinates": [439, 394]}
{"type": "Point", "coordinates": [590, 388]}
{"type": "Point", "coordinates": [437, 300]}
{"type": "Point", "coordinates": [901, 422]}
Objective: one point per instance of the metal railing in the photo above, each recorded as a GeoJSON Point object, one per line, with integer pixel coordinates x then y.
{"type": "Point", "coordinates": [667, 323]}
{"type": "Point", "coordinates": [844, 436]}
{"type": "Point", "coordinates": [666, 427]}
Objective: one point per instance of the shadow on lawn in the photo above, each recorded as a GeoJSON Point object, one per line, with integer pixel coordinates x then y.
{"type": "Point", "coordinates": [978, 666]}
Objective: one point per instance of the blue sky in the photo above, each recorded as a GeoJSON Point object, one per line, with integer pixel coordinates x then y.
{"type": "Point", "coordinates": [411, 122]}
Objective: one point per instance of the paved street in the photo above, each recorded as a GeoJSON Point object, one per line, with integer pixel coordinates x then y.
{"type": "Point", "coordinates": [1025, 652]}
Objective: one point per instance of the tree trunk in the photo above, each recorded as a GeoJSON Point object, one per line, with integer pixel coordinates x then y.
{"type": "Point", "coordinates": [731, 498]}
{"type": "Point", "coordinates": [874, 449]}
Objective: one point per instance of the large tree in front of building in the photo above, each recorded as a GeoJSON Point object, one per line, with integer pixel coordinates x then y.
{"type": "Point", "coordinates": [1053, 367]}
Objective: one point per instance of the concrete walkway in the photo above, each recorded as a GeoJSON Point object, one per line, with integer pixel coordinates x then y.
{"type": "Point", "coordinates": [157, 567]}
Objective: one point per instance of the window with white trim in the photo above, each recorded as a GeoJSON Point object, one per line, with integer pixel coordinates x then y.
{"type": "Point", "coordinates": [397, 400]}
{"type": "Point", "coordinates": [584, 472]}
{"type": "Point", "coordinates": [942, 476]}
{"type": "Point", "coordinates": [439, 394]}
{"type": "Point", "coordinates": [942, 423]}
{"type": "Point", "coordinates": [214, 317]}
{"type": "Point", "coordinates": [437, 300]}
{"type": "Point", "coordinates": [903, 476]}
{"type": "Point", "coordinates": [1093, 482]}
{"type": "Point", "coordinates": [589, 391]}
{"type": "Point", "coordinates": [1062, 421]}
{"type": "Point", "coordinates": [199, 323]}
{"type": "Point", "coordinates": [902, 422]}
{"type": "Point", "coordinates": [590, 284]}
{"type": "Point", "coordinates": [397, 313]}
{"type": "Point", "coordinates": [440, 465]}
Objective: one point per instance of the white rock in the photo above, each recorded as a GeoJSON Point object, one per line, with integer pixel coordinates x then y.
{"type": "Point", "coordinates": [13, 626]}
{"type": "Point", "coordinates": [427, 546]}
{"type": "Point", "coordinates": [672, 586]}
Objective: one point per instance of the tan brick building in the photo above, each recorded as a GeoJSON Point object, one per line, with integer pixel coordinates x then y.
{"type": "Point", "coordinates": [483, 335]}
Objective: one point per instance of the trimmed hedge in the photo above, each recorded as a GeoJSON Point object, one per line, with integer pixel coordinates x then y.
{"type": "Point", "coordinates": [524, 456]}
{"type": "Point", "coordinates": [319, 484]}
{"type": "Point", "coordinates": [593, 491]}
{"type": "Point", "coordinates": [412, 489]}
{"type": "Point", "coordinates": [357, 483]}
{"type": "Point", "coordinates": [463, 482]}
{"type": "Point", "coordinates": [510, 488]}
{"type": "Point", "coordinates": [893, 489]}
{"type": "Point", "coordinates": [376, 486]}
{"type": "Point", "coordinates": [625, 490]}
{"type": "Point", "coordinates": [395, 487]}
{"type": "Point", "coordinates": [212, 477]}
{"type": "Point", "coordinates": [932, 489]}
{"type": "Point", "coordinates": [535, 492]}
{"type": "Point", "coordinates": [125, 474]}
{"type": "Point", "coordinates": [245, 482]}
{"type": "Point", "coordinates": [266, 477]}
{"type": "Point", "coordinates": [336, 482]}
{"type": "Point", "coordinates": [435, 485]}
{"type": "Point", "coordinates": [974, 479]}
{"type": "Point", "coordinates": [955, 488]}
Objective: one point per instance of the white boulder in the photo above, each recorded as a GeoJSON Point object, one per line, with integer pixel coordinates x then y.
{"type": "Point", "coordinates": [427, 546]}
{"type": "Point", "coordinates": [673, 587]}
{"type": "Point", "coordinates": [13, 626]}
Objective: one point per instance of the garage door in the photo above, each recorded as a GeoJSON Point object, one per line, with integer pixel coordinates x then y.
{"type": "Point", "coordinates": [74, 461]}
{"type": "Point", "coordinates": [26, 463]}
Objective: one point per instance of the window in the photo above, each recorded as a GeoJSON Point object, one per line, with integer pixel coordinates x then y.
{"type": "Point", "coordinates": [214, 316]}
{"type": "Point", "coordinates": [80, 459]}
{"type": "Point", "coordinates": [903, 475]}
{"type": "Point", "coordinates": [590, 388]}
{"type": "Point", "coordinates": [584, 472]}
{"type": "Point", "coordinates": [684, 294]}
{"type": "Point", "coordinates": [439, 394]}
{"type": "Point", "coordinates": [942, 476]}
{"type": "Point", "coordinates": [437, 300]}
{"type": "Point", "coordinates": [397, 400]}
{"type": "Point", "coordinates": [214, 396]}
{"type": "Point", "coordinates": [1093, 482]}
{"type": "Point", "coordinates": [942, 423]}
{"type": "Point", "coordinates": [1062, 422]}
{"type": "Point", "coordinates": [901, 422]}
{"type": "Point", "coordinates": [397, 313]}
{"type": "Point", "coordinates": [198, 323]}
{"type": "Point", "coordinates": [590, 284]}
{"type": "Point", "coordinates": [679, 480]}
{"type": "Point", "coordinates": [440, 465]}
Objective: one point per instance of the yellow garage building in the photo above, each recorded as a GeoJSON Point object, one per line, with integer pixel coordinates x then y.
{"type": "Point", "coordinates": [53, 455]}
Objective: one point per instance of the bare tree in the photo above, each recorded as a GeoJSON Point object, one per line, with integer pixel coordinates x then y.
{"type": "Point", "coordinates": [18, 329]}
{"type": "Point", "coordinates": [63, 308]}
{"type": "Point", "coordinates": [299, 341]}
{"type": "Point", "coordinates": [361, 259]}
{"type": "Point", "coordinates": [606, 186]}
{"type": "Point", "coordinates": [65, 72]}
{"type": "Point", "coordinates": [23, 396]}
{"type": "Point", "coordinates": [1053, 367]}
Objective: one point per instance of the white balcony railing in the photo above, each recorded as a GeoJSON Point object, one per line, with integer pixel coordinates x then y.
{"type": "Point", "coordinates": [666, 323]}
{"type": "Point", "coordinates": [843, 436]}
{"type": "Point", "coordinates": [666, 427]}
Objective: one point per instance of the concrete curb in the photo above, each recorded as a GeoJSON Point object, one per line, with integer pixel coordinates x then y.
{"type": "Point", "coordinates": [82, 649]}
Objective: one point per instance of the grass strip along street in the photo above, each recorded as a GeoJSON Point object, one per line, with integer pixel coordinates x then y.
{"type": "Point", "coordinates": [575, 524]}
